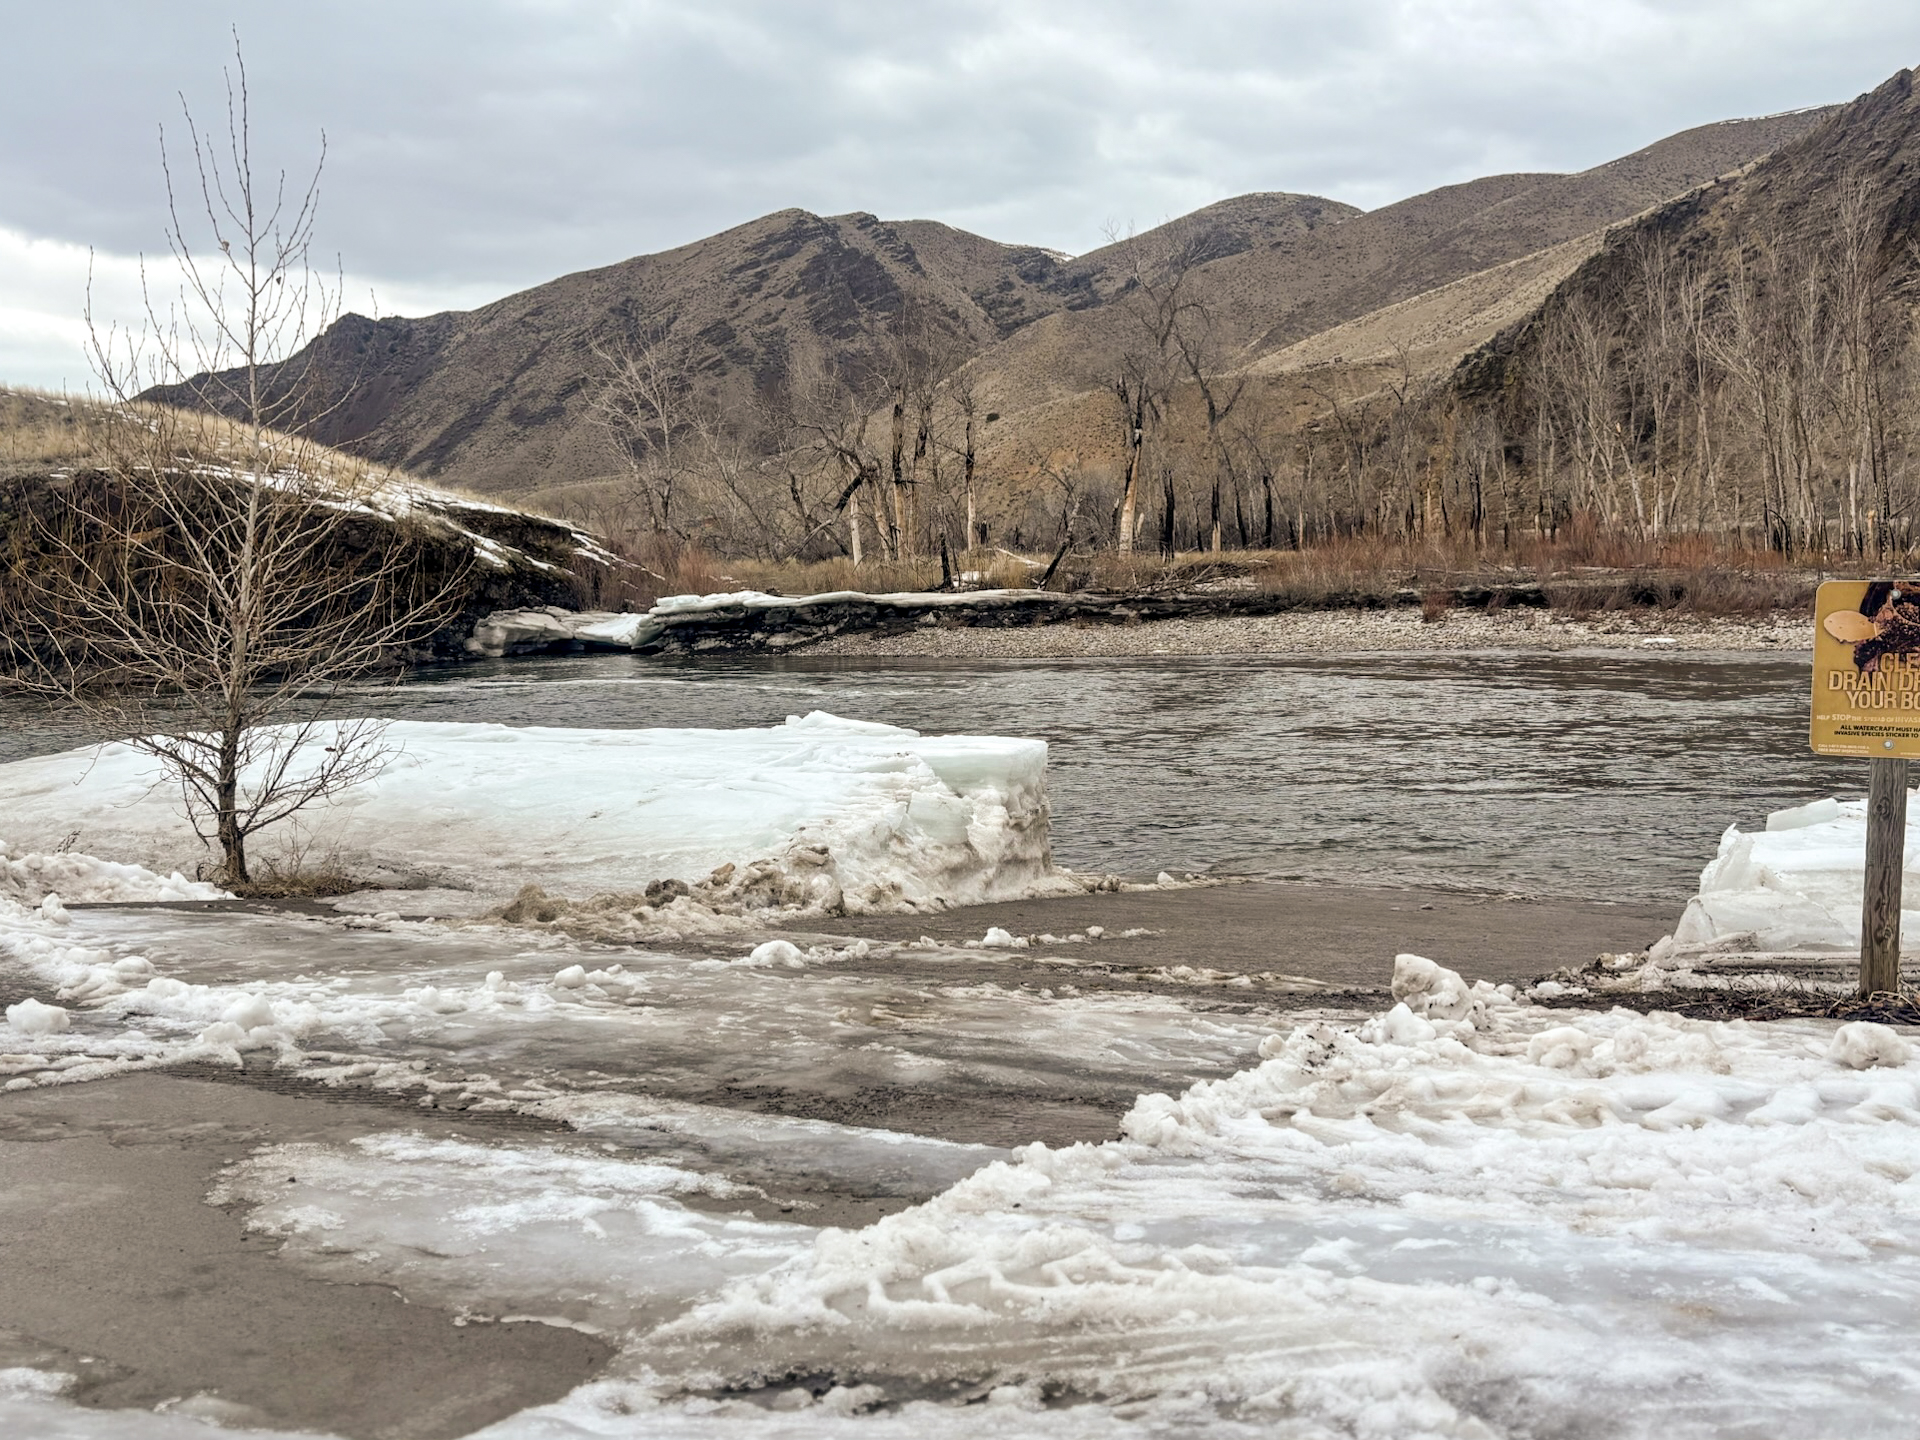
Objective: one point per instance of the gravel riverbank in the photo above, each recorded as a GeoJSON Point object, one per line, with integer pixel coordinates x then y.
{"type": "Point", "coordinates": [1338, 631]}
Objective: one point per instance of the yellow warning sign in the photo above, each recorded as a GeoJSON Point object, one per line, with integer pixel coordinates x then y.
{"type": "Point", "coordinates": [1866, 668]}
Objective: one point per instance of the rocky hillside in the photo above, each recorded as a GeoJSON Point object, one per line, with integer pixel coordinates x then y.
{"type": "Point", "coordinates": [497, 399]}
{"type": "Point", "coordinates": [1476, 254]}
{"type": "Point", "coordinates": [1792, 199]}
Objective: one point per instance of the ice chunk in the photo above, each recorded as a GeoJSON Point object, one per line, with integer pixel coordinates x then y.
{"type": "Point", "coordinates": [1817, 812]}
{"type": "Point", "coordinates": [1795, 885]}
{"type": "Point", "coordinates": [777, 952]}
{"type": "Point", "coordinates": [31, 1017]}
{"type": "Point", "coordinates": [1864, 1044]}
{"type": "Point", "coordinates": [249, 1012]}
{"type": "Point", "coordinates": [1430, 989]}
{"type": "Point", "coordinates": [571, 978]}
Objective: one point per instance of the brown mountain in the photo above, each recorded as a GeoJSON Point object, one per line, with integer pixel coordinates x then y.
{"type": "Point", "coordinates": [496, 399]}
{"type": "Point", "coordinates": [1438, 273]}
{"type": "Point", "coordinates": [1792, 195]}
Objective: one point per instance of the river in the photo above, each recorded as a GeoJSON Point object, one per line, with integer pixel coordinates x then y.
{"type": "Point", "coordinates": [1588, 775]}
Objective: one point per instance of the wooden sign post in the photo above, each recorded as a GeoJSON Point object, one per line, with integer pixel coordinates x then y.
{"type": "Point", "coordinates": [1886, 856]}
{"type": "Point", "coordinates": [1866, 702]}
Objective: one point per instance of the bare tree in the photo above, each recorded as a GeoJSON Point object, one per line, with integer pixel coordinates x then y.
{"type": "Point", "coordinates": [1166, 322]}
{"type": "Point", "coordinates": [652, 416]}
{"type": "Point", "coordinates": [968, 407]}
{"type": "Point", "coordinates": [210, 591]}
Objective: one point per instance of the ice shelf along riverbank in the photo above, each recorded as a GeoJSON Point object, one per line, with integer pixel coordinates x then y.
{"type": "Point", "coordinates": [819, 814]}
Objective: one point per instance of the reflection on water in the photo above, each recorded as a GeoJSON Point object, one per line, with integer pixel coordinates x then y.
{"type": "Point", "coordinates": [1587, 775]}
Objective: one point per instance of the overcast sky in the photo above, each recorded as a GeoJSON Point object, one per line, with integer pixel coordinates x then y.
{"type": "Point", "coordinates": [476, 147]}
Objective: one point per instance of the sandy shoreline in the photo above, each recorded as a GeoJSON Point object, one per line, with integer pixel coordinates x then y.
{"type": "Point", "coordinates": [1788, 633]}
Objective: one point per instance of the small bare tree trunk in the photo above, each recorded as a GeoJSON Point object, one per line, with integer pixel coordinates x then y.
{"type": "Point", "coordinates": [1132, 413]}
{"type": "Point", "coordinates": [973, 531]}
{"type": "Point", "coordinates": [896, 520]}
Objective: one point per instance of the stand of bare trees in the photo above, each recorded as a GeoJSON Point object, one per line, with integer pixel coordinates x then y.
{"type": "Point", "coordinates": [873, 453]}
{"type": "Point", "coordinates": [1759, 399]}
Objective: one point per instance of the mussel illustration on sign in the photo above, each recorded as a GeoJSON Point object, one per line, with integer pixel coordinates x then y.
{"type": "Point", "coordinates": [1887, 623]}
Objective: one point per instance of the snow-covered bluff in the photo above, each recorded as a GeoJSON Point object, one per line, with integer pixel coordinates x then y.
{"type": "Point", "coordinates": [818, 814]}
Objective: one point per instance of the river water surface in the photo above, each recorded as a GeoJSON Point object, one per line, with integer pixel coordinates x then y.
{"type": "Point", "coordinates": [1593, 775]}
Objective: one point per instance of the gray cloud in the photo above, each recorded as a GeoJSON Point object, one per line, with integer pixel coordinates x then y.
{"type": "Point", "coordinates": [477, 146]}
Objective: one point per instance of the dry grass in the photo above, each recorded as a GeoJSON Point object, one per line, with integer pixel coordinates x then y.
{"type": "Point", "coordinates": [656, 566]}
{"type": "Point", "coordinates": [301, 882]}
{"type": "Point", "coordinates": [298, 871]}
{"type": "Point", "coordinates": [1581, 572]}
{"type": "Point", "coordinates": [988, 569]}
{"type": "Point", "coordinates": [42, 430]}
{"type": "Point", "coordinates": [38, 427]}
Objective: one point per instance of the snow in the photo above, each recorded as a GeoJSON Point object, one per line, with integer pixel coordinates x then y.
{"type": "Point", "coordinates": [31, 1017]}
{"type": "Point", "coordinates": [601, 1242]}
{"type": "Point", "coordinates": [1466, 1216]}
{"type": "Point", "coordinates": [818, 814]}
{"type": "Point", "coordinates": [1796, 885]}
{"type": "Point", "coordinates": [1463, 1216]}
{"type": "Point", "coordinates": [776, 952]}
{"type": "Point", "coordinates": [390, 497]}
{"type": "Point", "coordinates": [1863, 1044]}
{"type": "Point", "coordinates": [622, 1410]}
{"type": "Point", "coordinates": [495, 1017]}
{"type": "Point", "coordinates": [34, 878]}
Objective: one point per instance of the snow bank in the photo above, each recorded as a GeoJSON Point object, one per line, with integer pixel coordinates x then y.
{"type": "Point", "coordinates": [818, 814]}
{"type": "Point", "coordinates": [1794, 886]}
{"type": "Point", "coordinates": [29, 877]}
{"type": "Point", "coordinates": [601, 1242]}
